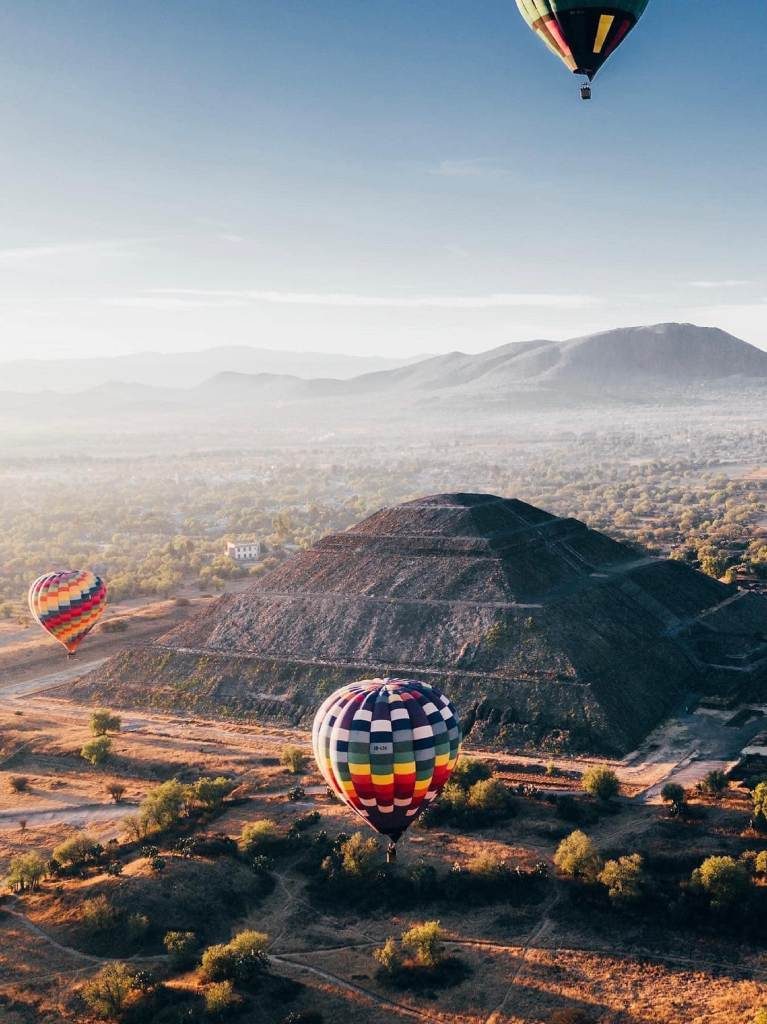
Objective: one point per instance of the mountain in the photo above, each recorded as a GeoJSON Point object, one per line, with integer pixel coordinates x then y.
{"type": "Point", "coordinates": [543, 631]}
{"type": "Point", "coordinates": [181, 369]}
{"type": "Point", "coordinates": [675, 355]}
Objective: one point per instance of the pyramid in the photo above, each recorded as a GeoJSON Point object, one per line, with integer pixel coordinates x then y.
{"type": "Point", "coordinates": [543, 632]}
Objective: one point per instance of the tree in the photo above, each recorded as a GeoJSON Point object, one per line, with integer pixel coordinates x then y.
{"type": "Point", "coordinates": [162, 807]}
{"type": "Point", "coordinates": [25, 872]}
{"type": "Point", "coordinates": [116, 790]}
{"type": "Point", "coordinates": [388, 956]}
{"type": "Point", "coordinates": [181, 947]}
{"type": "Point", "coordinates": [425, 943]}
{"type": "Point", "coordinates": [220, 999]}
{"type": "Point", "coordinates": [624, 879]}
{"type": "Point", "coordinates": [578, 857]}
{"type": "Point", "coordinates": [19, 783]}
{"type": "Point", "coordinates": [259, 836]}
{"type": "Point", "coordinates": [359, 855]}
{"type": "Point", "coordinates": [211, 793]}
{"type": "Point", "coordinates": [760, 803]}
{"type": "Point", "coordinates": [675, 796]}
{"type": "Point", "coordinates": [294, 760]}
{"type": "Point", "coordinates": [726, 882]}
{"type": "Point", "coordinates": [600, 782]}
{"type": "Point", "coordinates": [107, 993]}
{"type": "Point", "coordinates": [242, 959]}
{"type": "Point", "coordinates": [103, 721]}
{"type": "Point", "coordinates": [490, 797]}
{"type": "Point", "coordinates": [714, 784]}
{"type": "Point", "coordinates": [78, 850]}
{"type": "Point", "coordinates": [468, 771]}
{"type": "Point", "coordinates": [96, 751]}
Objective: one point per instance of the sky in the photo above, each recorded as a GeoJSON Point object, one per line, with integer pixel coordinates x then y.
{"type": "Point", "coordinates": [393, 178]}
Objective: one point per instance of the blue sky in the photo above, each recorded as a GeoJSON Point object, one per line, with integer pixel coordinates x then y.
{"type": "Point", "coordinates": [398, 176]}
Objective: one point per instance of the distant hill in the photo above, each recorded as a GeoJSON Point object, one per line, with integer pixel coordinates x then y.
{"type": "Point", "coordinates": [657, 364]}
{"type": "Point", "coordinates": [544, 632]}
{"type": "Point", "coordinates": [626, 358]}
{"type": "Point", "coordinates": [182, 369]}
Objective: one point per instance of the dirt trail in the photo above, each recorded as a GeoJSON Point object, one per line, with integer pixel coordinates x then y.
{"type": "Point", "coordinates": [79, 814]}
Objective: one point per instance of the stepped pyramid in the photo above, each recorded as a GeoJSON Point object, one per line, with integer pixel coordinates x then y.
{"type": "Point", "coordinates": [543, 632]}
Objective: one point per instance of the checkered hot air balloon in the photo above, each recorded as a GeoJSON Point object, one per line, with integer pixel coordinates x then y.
{"type": "Point", "coordinates": [387, 747]}
{"type": "Point", "coordinates": [582, 33]}
{"type": "Point", "coordinates": [67, 604]}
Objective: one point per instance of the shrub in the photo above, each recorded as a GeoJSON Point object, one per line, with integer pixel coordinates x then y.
{"type": "Point", "coordinates": [624, 879]}
{"type": "Point", "coordinates": [760, 862]}
{"type": "Point", "coordinates": [425, 943]}
{"type": "Point", "coordinates": [257, 837]}
{"type": "Point", "coordinates": [359, 855]}
{"type": "Point", "coordinates": [296, 793]}
{"type": "Point", "coordinates": [242, 959]}
{"type": "Point", "coordinates": [761, 1016]}
{"type": "Point", "coordinates": [25, 872]}
{"type": "Point", "coordinates": [760, 802]}
{"type": "Point", "coordinates": [468, 771]}
{"type": "Point", "coordinates": [181, 947]}
{"type": "Point", "coordinates": [220, 998]}
{"type": "Point", "coordinates": [674, 795]}
{"type": "Point", "coordinates": [77, 851]}
{"type": "Point", "coordinates": [714, 784]}
{"type": "Point", "coordinates": [600, 782]}
{"type": "Point", "coordinates": [725, 882]}
{"type": "Point", "coordinates": [489, 798]}
{"type": "Point", "coordinates": [388, 956]}
{"type": "Point", "coordinates": [294, 759]}
{"type": "Point", "coordinates": [107, 993]}
{"type": "Point", "coordinates": [116, 790]}
{"type": "Point", "coordinates": [578, 857]}
{"type": "Point", "coordinates": [163, 806]}
{"type": "Point", "coordinates": [114, 868]}
{"type": "Point", "coordinates": [19, 783]}
{"type": "Point", "coordinates": [103, 721]}
{"type": "Point", "coordinates": [211, 793]}
{"type": "Point", "coordinates": [97, 914]}
{"type": "Point", "coordinates": [96, 751]}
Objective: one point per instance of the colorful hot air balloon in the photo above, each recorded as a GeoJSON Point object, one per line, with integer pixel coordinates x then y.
{"type": "Point", "coordinates": [582, 33]}
{"type": "Point", "coordinates": [386, 747]}
{"type": "Point", "coordinates": [67, 604]}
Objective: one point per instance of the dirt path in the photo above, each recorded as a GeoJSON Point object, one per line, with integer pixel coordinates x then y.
{"type": "Point", "coordinates": [77, 814]}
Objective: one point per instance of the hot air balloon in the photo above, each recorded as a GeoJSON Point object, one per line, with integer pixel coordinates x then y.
{"type": "Point", "coordinates": [582, 33]}
{"type": "Point", "coordinates": [387, 747]}
{"type": "Point", "coordinates": [67, 604]}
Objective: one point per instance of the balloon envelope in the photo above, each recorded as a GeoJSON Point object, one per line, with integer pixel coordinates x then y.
{"type": "Point", "coordinates": [67, 604]}
{"type": "Point", "coordinates": [582, 33]}
{"type": "Point", "coordinates": [387, 747]}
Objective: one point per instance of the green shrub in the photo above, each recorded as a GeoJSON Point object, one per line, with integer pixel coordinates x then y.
{"type": "Point", "coordinates": [725, 882]}
{"type": "Point", "coordinates": [181, 947]}
{"type": "Point", "coordinates": [108, 992]}
{"type": "Point", "coordinates": [77, 851]}
{"type": "Point", "coordinates": [388, 956]}
{"type": "Point", "coordinates": [103, 722]}
{"type": "Point", "coordinates": [96, 751]}
{"type": "Point", "coordinates": [242, 959]}
{"type": "Point", "coordinates": [578, 857]}
{"type": "Point", "coordinates": [468, 770]}
{"type": "Point", "coordinates": [675, 795]}
{"type": "Point", "coordinates": [164, 805]}
{"type": "Point", "coordinates": [25, 872]}
{"type": "Point", "coordinates": [258, 837]}
{"type": "Point", "coordinates": [19, 783]}
{"type": "Point", "coordinates": [761, 1016]}
{"type": "Point", "coordinates": [425, 943]}
{"type": "Point", "coordinates": [600, 782]}
{"type": "Point", "coordinates": [220, 999]}
{"type": "Point", "coordinates": [211, 793]}
{"type": "Point", "coordinates": [760, 802]}
{"type": "Point", "coordinates": [714, 784]}
{"type": "Point", "coordinates": [359, 855]}
{"type": "Point", "coordinates": [624, 879]}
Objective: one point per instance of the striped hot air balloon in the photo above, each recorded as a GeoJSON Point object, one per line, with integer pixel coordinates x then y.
{"type": "Point", "coordinates": [387, 747]}
{"type": "Point", "coordinates": [582, 33]}
{"type": "Point", "coordinates": [67, 604]}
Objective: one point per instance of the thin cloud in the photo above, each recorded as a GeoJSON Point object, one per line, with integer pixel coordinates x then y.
{"type": "Point", "coordinates": [727, 283]}
{"type": "Point", "coordinates": [32, 253]}
{"type": "Point", "coordinates": [498, 300]}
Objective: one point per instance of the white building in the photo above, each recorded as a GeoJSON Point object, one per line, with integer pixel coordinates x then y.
{"type": "Point", "coordinates": [244, 551]}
